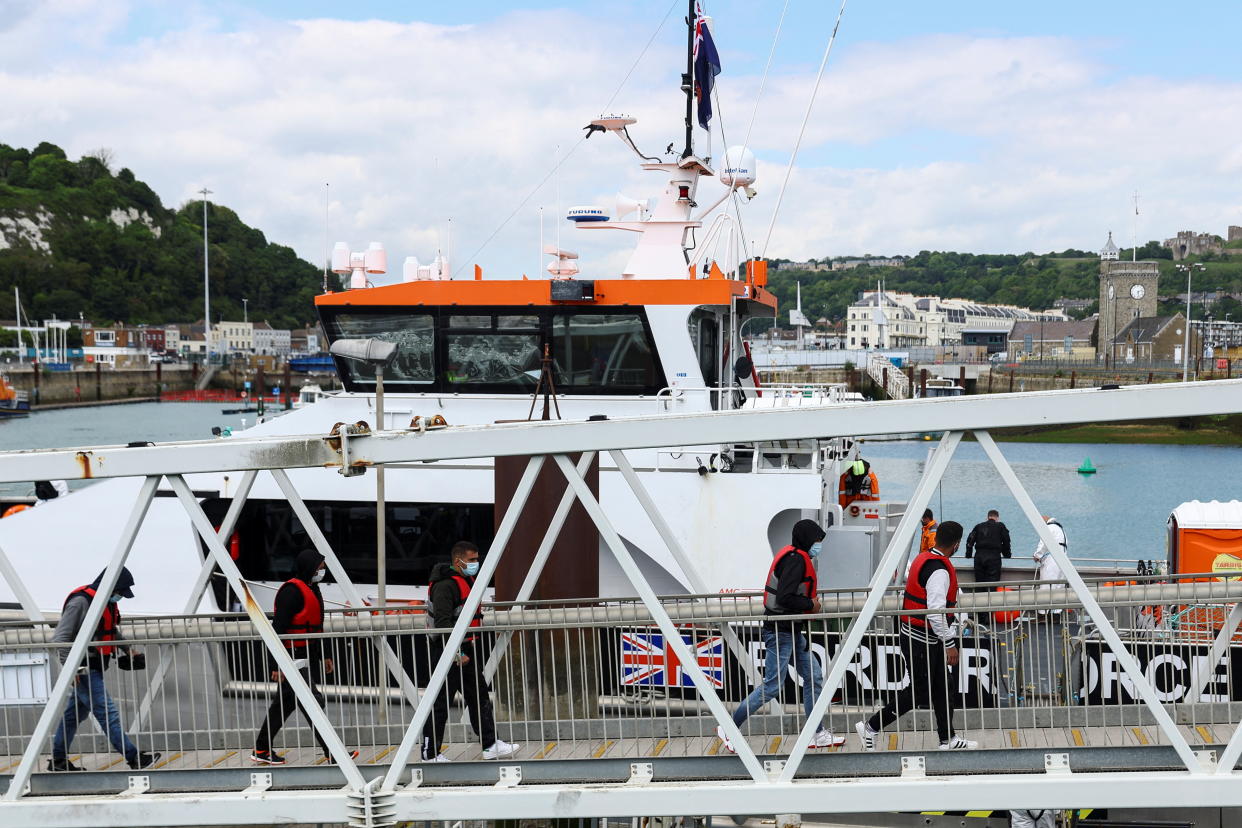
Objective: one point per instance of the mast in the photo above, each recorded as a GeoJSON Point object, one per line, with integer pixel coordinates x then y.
{"type": "Point", "coordinates": [688, 79]}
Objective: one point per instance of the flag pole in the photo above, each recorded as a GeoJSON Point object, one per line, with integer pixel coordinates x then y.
{"type": "Point", "coordinates": [688, 79]}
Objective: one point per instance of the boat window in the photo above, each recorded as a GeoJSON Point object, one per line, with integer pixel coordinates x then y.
{"type": "Point", "coordinates": [608, 351]}
{"type": "Point", "coordinates": [470, 321]}
{"type": "Point", "coordinates": [514, 321]}
{"type": "Point", "coordinates": [492, 359]}
{"type": "Point", "coordinates": [269, 536]}
{"type": "Point", "coordinates": [705, 337]}
{"type": "Point", "coordinates": [414, 335]}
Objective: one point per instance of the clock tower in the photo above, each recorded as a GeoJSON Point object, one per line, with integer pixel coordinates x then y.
{"type": "Point", "coordinates": [1127, 291]}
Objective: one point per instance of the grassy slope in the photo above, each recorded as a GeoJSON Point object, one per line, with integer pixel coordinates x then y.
{"type": "Point", "coordinates": [1225, 430]}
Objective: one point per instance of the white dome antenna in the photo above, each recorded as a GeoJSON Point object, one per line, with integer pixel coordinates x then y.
{"type": "Point", "coordinates": [359, 263]}
{"type": "Point", "coordinates": [565, 266]}
{"type": "Point", "coordinates": [739, 170]}
{"type": "Point", "coordinates": [409, 269]}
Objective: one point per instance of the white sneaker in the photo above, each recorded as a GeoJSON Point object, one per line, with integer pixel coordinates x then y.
{"type": "Point", "coordinates": [825, 739]}
{"type": "Point", "coordinates": [720, 734]}
{"type": "Point", "coordinates": [440, 757]}
{"type": "Point", "coordinates": [958, 743]}
{"type": "Point", "coordinates": [866, 736]}
{"type": "Point", "coordinates": [501, 749]}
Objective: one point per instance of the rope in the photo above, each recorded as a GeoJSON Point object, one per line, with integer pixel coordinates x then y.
{"type": "Point", "coordinates": [572, 149]}
{"type": "Point", "coordinates": [805, 118]}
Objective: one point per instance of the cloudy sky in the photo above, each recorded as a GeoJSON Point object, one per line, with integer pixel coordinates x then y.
{"type": "Point", "coordinates": [974, 126]}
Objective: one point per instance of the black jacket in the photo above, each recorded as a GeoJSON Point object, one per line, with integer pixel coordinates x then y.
{"type": "Point", "coordinates": [289, 599]}
{"type": "Point", "coordinates": [791, 570]}
{"type": "Point", "coordinates": [990, 536]}
{"type": "Point", "coordinates": [445, 601]}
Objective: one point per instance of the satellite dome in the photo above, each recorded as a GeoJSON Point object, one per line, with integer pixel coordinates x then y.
{"type": "Point", "coordinates": [739, 168]}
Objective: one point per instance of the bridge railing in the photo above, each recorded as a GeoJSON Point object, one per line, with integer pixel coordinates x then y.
{"type": "Point", "coordinates": [578, 680]}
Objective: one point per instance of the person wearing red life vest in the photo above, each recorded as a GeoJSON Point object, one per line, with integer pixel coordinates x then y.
{"type": "Point", "coordinates": [88, 693]}
{"type": "Point", "coordinates": [451, 584]}
{"type": "Point", "coordinates": [791, 590]}
{"type": "Point", "coordinates": [298, 609]}
{"type": "Point", "coordinates": [928, 643]}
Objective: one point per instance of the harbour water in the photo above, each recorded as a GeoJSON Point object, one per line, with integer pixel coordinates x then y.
{"type": "Point", "coordinates": [1120, 512]}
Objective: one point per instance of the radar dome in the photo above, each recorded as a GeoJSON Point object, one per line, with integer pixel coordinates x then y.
{"type": "Point", "coordinates": [739, 168]}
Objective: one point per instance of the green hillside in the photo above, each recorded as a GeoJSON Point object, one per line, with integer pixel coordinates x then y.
{"type": "Point", "coordinates": [81, 238]}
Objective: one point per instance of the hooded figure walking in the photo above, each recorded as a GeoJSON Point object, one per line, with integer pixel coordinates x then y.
{"type": "Point", "coordinates": [88, 692]}
{"type": "Point", "coordinates": [299, 609]}
{"type": "Point", "coordinates": [791, 590]}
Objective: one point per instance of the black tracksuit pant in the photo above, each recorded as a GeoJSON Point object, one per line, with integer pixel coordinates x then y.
{"type": "Point", "coordinates": [476, 695]}
{"type": "Point", "coordinates": [987, 565]}
{"type": "Point", "coordinates": [283, 703]}
{"type": "Point", "coordinates": [928, 687]}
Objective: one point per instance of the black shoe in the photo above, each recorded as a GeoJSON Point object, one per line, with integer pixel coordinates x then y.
{"type": "Point", "coordinates": [266, 757]}
{"type": "Point", "coordinates": [144, 760]}
{"type": "Point", "coordinates": [62, 765]}
{"type": "Point", "coordinates": [328, 759]}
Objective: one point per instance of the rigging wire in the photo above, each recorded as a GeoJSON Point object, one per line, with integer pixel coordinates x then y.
{"type": "Point", "coordinates": [802, 131]}
{"type": "Point", "coordinates": [764, 80]}
{"type": "Point", "coordinates": [572, 149]}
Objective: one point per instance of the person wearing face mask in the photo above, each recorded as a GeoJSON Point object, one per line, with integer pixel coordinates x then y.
{"type": "Point", "coordinates": [298, 609]}
{"type": "Point", "coordinates": [88, 692]}
{"type": "Point", "coordinates": [791, 590]}
{"type": "Point", "coordinates": [450, 586]}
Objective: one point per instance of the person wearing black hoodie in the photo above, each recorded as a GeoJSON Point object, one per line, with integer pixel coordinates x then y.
{"type": "Point", "coordinates": [298, 609]}
{"type": "Point", "coordinates": [451, 584]}
{"type": "Point", "coordinates": [88, 692]}
{"type": "Point", "coordinates": [791, 590]}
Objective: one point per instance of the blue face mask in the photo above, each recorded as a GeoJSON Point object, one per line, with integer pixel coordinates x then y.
{"type": "Point", "coordinates": [471, 568]}
{"type": "Point", "coordinates": [814, 550]}
{"type": "Point", "coordinates": [114, 599]}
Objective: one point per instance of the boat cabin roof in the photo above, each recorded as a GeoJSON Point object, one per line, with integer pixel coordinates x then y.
{"type": "Point", "coordinates": [1214, 514]}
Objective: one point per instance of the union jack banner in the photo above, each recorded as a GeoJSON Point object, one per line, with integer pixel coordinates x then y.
{"type": "Point", "coordinates": [646, 661]}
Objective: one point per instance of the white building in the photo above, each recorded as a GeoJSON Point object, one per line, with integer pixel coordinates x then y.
{"type": "Point", "coordinates": [271, 341]}
{"type": "Point", "coordinates": [902, 320]}
{"type": "Point", "coordinates": [231, 337]}
{"type": "Point", "coordinates": [172, 339]}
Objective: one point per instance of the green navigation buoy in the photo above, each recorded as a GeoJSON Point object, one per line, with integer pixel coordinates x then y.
{"type": "Point", "coordinates": [1086, 467]}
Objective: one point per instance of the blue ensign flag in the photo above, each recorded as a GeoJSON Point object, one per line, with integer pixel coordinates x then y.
{"type": "Point", "coordinates": [706, 66]}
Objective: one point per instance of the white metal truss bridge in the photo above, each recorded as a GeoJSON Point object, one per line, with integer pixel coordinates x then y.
{"type": "Point", "coordinates": [1158, 748]}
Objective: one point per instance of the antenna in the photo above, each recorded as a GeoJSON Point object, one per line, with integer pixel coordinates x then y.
{"type": "Point", "coordinates": [327, 255]}
{"type": "Point", "coordinates": [1134, 249]}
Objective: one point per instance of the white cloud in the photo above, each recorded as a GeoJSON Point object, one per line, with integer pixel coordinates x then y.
{"type": "Point", "coordinates": [1016, 143]}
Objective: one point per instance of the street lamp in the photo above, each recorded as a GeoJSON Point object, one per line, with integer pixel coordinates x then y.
{"type": "Point", "coordinates": [206, 282]}
{"type": "Point", "coordinates": [377, 353]}
{"type": "Point", "coordinates": [1189, 270]}
{"type": "Point", "coordinates": [245, 310]}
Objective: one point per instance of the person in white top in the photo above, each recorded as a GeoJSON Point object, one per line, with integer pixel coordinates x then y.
{"type": "Point", "coordinates": [1049, 570]}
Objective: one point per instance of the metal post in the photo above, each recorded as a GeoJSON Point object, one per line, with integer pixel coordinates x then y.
{"type": "Point", "coordinates": [537, 564]}
{"type": "Point", "coordinates": [15, 582]}
{"type": "Point", "coordinates": [300, 510]}
{"type": "Point", "coordinates": [414, 732]}
{"type": "Point", "coordinates": [276, 647]}
{"type": "Point", "coordinates": [381, 545]}
{"type": "Point", "coordinates": [671, 634]}
{"type": "Point", "coordinates": [194, 599]}
{"type": "Point", "coordinates": [893, 554]}
{"type": "Point", "coordinates": [679, 555]}
{"type": "Point", "coordinates": [68, 673]}
{"type": "Point", "coordinates": [206, 283]}
{"type": "Point", "coordinates": [1090, 604]}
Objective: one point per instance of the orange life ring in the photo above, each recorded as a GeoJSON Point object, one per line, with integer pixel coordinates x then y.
{"type": "Point", "coordinates": [14, 509]}
{"type": "Point", "coordinates": [1005, 616]}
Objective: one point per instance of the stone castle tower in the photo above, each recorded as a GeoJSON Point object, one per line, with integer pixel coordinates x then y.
{"type": "Point", "coordinates": [1127, 291]}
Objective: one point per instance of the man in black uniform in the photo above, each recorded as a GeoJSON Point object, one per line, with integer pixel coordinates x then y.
{"type": "Point", "coordinates": [451, 584]}
{"type": "Point", "coordinates": [988, 542]}
{"type": "Point", "coordinates": [299, 609]}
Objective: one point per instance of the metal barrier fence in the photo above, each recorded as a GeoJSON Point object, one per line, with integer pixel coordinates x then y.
{"type": "Point", "coordinates": [595, 679]}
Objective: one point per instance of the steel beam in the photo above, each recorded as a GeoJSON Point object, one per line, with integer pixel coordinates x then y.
{"type": "Point", "coordinates": [1220, 644]}
{"type": "Point", "coordinates": [413, 734]}
{"type": "Point", "coordinates": [320, 542]}
{"type": "Point", "coordinates": [313, 711]}
{"type": "Point", "coordinates": [683, 560]}
{"type": "Point", "coordinates": [531, 578]}
{"type": "Point", "coordinates": [1092, 606]}
{"type": "Point", "coordinates": [1138, 402]}
{"type": "Point", "coordinates": [884, 570]}
{"type": "Point", "coordinates": [672, 635]}
{"type": "Point", "coordinates": [54, 709]}
{"type": "Point", "coordinates": [9, 575]}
